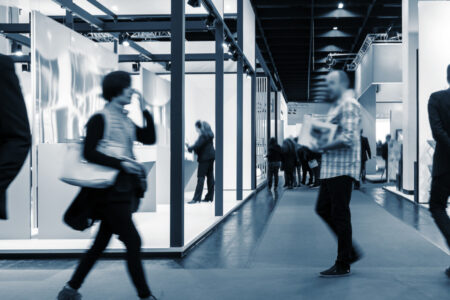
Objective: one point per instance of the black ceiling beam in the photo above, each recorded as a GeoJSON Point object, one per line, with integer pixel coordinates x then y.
{"type": "Point", "coordinates": [127, 26]}
{"type": "Point", "coordinates": [103, 8]}
{"type": "Point", "coordinates": [261, 30]}
{"type": "Point", "coordinates": [83, 14]}
{"type": "Point", "coordinates": [21, 39]}
{"type": "Point", "coordinates": [99, 24]}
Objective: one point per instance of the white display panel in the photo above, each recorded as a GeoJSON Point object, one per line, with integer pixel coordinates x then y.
{"type": "Point", "coordinates": [434, 57]}
{"type": "Point", "coordinates": [68, 70]}
{"type": "Point", "coordinates": [249, 32]}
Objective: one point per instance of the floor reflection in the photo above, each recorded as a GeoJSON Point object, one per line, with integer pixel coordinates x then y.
{"type": "Point", "coordinates": [414, 215]}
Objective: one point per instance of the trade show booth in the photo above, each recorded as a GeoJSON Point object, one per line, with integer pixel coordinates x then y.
{"type": "Point", "coordinates": [63, 90]}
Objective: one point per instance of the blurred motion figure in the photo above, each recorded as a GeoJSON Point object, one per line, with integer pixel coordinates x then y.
{"type": "Point", "coordinates": [15, 136]}
{"type": "Point", "coordinates": [439, 116]}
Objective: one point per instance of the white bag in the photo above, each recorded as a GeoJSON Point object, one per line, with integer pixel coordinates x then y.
{"type": "Point", "coordinates": [79, 172]}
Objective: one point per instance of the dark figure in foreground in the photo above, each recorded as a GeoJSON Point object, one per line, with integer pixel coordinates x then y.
{"type": "Point", "coordinates": [439, 115]}
{"type": "Point", "coordinates": [114, 206]}
{"type": "Point", "coordinates": [341, 165]}
{"type": "Point", "coordinates": [366, 154]}
{"type": "Point", "coordinates": [274, 157]}
{"type": "Point", "coordinates": [289, 162]}
{"type": "Point", "coordinates": [15, 137]}
{"type": "Point", "coordinates": [204, 148]}
{"type": "Point", "coordinates": [298, 166]}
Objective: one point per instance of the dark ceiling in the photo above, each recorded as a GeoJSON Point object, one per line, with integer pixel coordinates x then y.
{"type": "Point", "coordinates": [286, 27]}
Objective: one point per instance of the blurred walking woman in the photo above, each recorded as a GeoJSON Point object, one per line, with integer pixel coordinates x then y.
{"type": "Point", "coordinates": [115, 205]}
{"type": "Point", "coordinates": [204, 148]}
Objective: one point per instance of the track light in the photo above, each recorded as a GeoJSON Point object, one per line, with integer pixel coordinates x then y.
{"type": "Point", "coordinates": [136, 67]}
{"type": "Point", "coordinates": [168, 66]}
{"type": "Point", "coordinates": [194, 3]}
{"type": "Point", "coordinates": [341, 5]}
{"type": "Point", "coordinates": [16, 49]}
{"type": "Point", "coordinates": [210, 21]}
{"type": "Point", "coordinates": [123, 40]}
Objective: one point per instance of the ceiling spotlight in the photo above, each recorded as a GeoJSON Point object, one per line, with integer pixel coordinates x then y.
{"type": "Point", "coordinates": [341, 5]}
{"type": "Point", "coordinates": [194, 3]}
{"type": "Point", "coordinates": [16, 49]}
{"type": "Point", "coordinates": [136, 67]}
{"type": "Point", "coordinates": [168, 66]}
{"type": "Point", "coordinates": [126, 43]}
{"type": "Point", "coordinates": [335, 28]}
{"type": "Point", "coordinates": [210, 21]}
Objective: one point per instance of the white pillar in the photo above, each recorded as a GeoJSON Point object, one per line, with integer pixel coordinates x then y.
{"type": "Point", "coordinates": [410, 37]}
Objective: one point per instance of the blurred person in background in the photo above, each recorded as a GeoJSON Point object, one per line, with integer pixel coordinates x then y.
{"type": "Point", "coordinates": [439, 116]}
{"type": "Point", "coordinates": [341, 165]}
{"type": "Point", "coordinates": [366, 154]}
{"type": "Point", "coordinates": [385, 155]}
{"type": "Point", "coordinates": [206, 154]}
{"type": "Point", "coordinates": [15, 136]}
{"type": "Point", "coordinates": [274, 157]}
{"type": "Point", "coordinates": [289, 162]}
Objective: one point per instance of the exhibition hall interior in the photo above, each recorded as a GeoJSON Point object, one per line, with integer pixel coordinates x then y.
{"type": "Point", "coordinates": [224, 149]}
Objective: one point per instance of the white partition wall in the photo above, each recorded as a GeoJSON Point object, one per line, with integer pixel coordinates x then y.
{"type": "Point", "coordinates": [249, 32]}
{"type": "Point", "coordinates": [434, 57]}
{"type": "Point", "coordinates": [67, 73]}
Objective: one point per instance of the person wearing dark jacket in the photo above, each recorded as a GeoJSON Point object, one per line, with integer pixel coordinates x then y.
{"type": "Point", "coordinates": [274, 157]}
{"type": "Point", "coordinates": [115, 205]}
{"type": "Point", "coordinates": [366, 154]}
{"type": "Point", "coordinates": [302, 154]}
{"type": "Point", "coordinates": [289, 162]}
{"type": "Point", "coordinates": [204, 148]}
{"type": "Point", "coordinates": [439, 116]}
{"type": "Point", "coordinates": [15, 136]}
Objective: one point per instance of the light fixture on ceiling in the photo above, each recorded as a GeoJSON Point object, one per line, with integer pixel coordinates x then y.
{"type": "Point", "coordinates": [209, 22]}
{"type": "Point", "coordinates": [16, 49]}
{"type": "Point", "coordinates": [194, 3]}
{"type": "Point", "coordinates": [335, 28]}
{"type": "Point", "coordinates": [126, 43]}
{"type": "Point", "coordinates": [341, 5]}
{"type": "Point", "coordinates": [136, 67]}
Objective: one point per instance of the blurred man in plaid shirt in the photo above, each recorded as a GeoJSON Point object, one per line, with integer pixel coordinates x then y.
{"type": "Point", "coordinates": [341, 165]}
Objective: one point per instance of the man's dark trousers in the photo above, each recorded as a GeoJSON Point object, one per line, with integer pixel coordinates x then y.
{"type": "Point", "coordinates": [440, 191]}
{"type": "Point", "coordinates": [333, 206]}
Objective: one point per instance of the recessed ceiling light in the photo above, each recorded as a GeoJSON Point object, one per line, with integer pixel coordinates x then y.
{"type": "Point", "coordinates": [335, 28]}
{"type": "Point", "coordinates": [341, 5]}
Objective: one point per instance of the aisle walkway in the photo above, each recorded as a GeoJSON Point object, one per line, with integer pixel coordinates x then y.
{"type": "Point", "coordinates": [273, 248]}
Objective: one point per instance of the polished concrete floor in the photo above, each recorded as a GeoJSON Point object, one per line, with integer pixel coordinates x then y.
{"type": "Point", "coordinates": [272, 248]}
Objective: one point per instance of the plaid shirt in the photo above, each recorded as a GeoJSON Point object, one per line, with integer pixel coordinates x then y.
{"type": "Point", "coordinates": [345, 161]}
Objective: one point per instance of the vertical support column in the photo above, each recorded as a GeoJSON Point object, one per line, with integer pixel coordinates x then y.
{"type": "Point", "coordinates": [240, 106]}
{"type": "Point", "coordinates": [268, 107]}
{"type": "Point", "coordinates": [410, 44]}
{"type": "Point", "coordinates": [219, 118]}
{"type": "Point", "coordinates": [275, 109]}
{"type": "Point", "coordinates": [253, 133]}
{"type": "Point", "coordinates": [177, 125]}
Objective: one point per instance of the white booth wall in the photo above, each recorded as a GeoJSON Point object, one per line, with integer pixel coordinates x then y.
{"type": "Point", "coordinates": [378, 81]}
{"type": "Point", "coordinates": [434, 57]}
